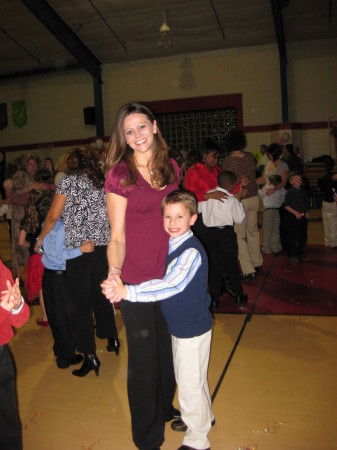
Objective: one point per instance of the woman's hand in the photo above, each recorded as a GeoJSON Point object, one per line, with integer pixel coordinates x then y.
{"type": "Point", "coordinates": [40, 186]}
{"type": "Point", "coordinates": [25, 244]}
{"type": "Point", "coordinates": [244, 181]}
{"type": "Point", "coordinates": [240, 194]}
{"type": "Point", "coordinates": [270, 191]}
{"type": "Point", "coordinates": [33, 185]}
{"type": "Point", "coordinates": [216, 195]}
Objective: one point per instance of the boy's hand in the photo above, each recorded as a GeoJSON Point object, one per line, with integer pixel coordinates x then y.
{"type": "Point", "coordinates": [87, 247]}
{"type": "Point", "coordinates": [298, 215]}
{"type": "Point", "coordinates": [114, 289]}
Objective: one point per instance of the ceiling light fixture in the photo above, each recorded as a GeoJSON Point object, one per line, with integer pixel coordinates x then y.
{"type": "Point", "coordinates": [164, 40]}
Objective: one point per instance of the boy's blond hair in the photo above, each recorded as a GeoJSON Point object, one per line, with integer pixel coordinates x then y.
{"type": "Point", "coordinates": [188, 199]}
{"type": "Point", "coordinates": [293, 174]}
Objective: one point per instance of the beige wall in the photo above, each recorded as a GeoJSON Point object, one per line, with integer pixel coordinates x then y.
{"type": "Point", "coordinates": [200, 74]}
{"type": "Point", "coordinates": [55, 102]}
{"type": "Point", "coordinates": [312, 81]}
{"type": "Point", "coordinates": [54, 107]}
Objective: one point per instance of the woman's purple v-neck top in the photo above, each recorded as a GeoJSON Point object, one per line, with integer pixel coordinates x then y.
{"type": "Point", "coordinates": [146, 240]}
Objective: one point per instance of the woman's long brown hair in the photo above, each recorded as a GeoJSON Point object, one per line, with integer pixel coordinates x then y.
{"type": "Point", "coordinates": [85, 160]}
{"type": "Point", "coordinates": [118, 150]}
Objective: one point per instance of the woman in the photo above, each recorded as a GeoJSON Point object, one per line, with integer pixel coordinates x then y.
{"type": "Point", "coordinates": [22, 183]}
{"type": "Point", "coordinates": [36, 210]}
{"type": "Point", "coordinates": [276, 166]}
{"type": "Point", "coordinates": [200, 178]}
{"type": "Point", "coordinates": [139, 175]}
{"type": "Point", "coordinates": [243, 164]}
{"type": "Point", "coordinates": [80, 200]}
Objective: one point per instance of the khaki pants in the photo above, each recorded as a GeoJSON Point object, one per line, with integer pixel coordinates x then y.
{"type": "Point", "coordinates": [248, 237]}
{"type": "Point", "coordinates": [190, 359]}
{"type": "Point", "coordinates": [329, 214]}
{"type": "Point", "coordinates": [271, 231]}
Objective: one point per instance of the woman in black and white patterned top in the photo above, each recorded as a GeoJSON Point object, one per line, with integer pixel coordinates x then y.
{"type": "Point", "coordinates": [80, 200]}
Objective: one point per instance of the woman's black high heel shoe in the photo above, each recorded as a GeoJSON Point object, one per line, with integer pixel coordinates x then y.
{"type": "Point", "coordinates": [91, 362]}
{"type": "Point", "coordinates": [113, 345]}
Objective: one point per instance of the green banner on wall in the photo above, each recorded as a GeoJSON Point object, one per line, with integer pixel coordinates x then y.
{"type": "Point", "coordinates": [19, 113]}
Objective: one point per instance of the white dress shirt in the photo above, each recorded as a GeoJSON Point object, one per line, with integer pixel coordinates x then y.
{"type": "Point", "coordinates": [219, 214]}
{"type": "Point", "coordinates": [274, 200]}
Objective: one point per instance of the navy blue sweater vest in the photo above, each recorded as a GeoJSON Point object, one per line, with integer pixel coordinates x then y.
{"type": "Point", "coordinates": [187, 313]}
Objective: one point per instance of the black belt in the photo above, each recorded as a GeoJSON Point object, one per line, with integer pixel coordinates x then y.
{"type": "Point", "coordinates": [225, 226]}
{"type": "Point", "coordinates": [270, 208]}
{"type": "Point", "coordinates": [55, 272]}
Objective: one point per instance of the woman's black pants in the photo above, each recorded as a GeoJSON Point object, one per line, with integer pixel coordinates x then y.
{"type": "Point", "coordinates": [84, 277]}
{"type": "Point", "coordinates": [151, 382]}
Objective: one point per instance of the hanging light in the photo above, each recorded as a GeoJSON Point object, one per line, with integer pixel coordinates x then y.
{"type": "Point", "coordinates": [164, 40]}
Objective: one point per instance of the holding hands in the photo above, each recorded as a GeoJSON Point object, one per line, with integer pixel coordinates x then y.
{"type": "Point", "coordinates": [114, 289]}
{"type": "Point", "coordinates": [11, 297]}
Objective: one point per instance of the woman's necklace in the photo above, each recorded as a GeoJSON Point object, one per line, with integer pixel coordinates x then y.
{"type": "Point", "coordinates": [145, 172]}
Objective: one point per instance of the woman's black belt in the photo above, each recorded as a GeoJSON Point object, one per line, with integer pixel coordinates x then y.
{"type": "Point", "coordinates": [55, 272]}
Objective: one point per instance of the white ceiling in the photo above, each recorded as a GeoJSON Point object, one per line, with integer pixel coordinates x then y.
{"type": "Point", "coordinates": [127, 30]}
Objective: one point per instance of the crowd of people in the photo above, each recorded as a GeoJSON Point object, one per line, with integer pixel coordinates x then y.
{"type": "Point", "coordinates": [164, 239]}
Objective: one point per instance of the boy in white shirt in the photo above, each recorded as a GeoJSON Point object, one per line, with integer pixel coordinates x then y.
{"type": "Point", "coordinates": [220, 217]}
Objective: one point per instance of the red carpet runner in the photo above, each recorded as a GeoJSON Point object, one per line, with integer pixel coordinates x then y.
{"type": "Point", "coordinates": [283, 287]}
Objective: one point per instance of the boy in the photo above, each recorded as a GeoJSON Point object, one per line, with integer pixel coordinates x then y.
{"type": "Point", "coordinates": [185, 306]}
{"type": "Point", "coordinates": [271, 215]}
{"type": "Point", "coordinates": [55, 293]}
{"type": "Point", "coordinates": [297, 204]}
{"type": "Point", "coordinates": [14, 312]}
{"type": "Point", "coordinates": [220, 218]}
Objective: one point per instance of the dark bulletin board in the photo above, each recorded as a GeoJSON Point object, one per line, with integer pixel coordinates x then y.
{"type": "Point", "coordinates": [186, 122]}
{"type": "Point", "coordinates": [185, 130]}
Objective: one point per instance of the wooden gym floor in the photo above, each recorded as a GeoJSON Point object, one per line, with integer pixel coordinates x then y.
{"type": "Point", "coordinates": [278, 392]}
